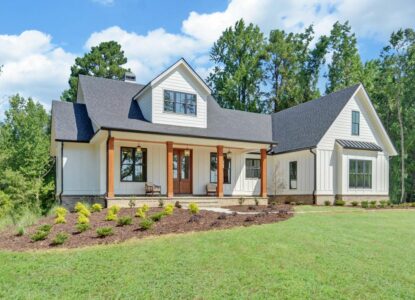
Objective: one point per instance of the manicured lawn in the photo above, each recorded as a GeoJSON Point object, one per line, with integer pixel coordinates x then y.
{"type": "Point", "coordinates": [354, 255]}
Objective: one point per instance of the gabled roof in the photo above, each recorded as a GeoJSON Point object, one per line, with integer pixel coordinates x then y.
{"type": "Point", "coordinates": [110, 105]}
{"type": "Point", "coordinates": [358, 145]}
{"type": "Point", "coordinates": [303, 126]}
{"type": "Point", "coordinates": [71, 122]}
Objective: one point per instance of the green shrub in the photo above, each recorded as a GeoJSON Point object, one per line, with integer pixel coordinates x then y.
{"type": "Point", "coordinates": [256, 201]}
{"type": "Point", "coordinates": [339, 203]}
{"type": "Point", "coordinates": [146, 208]}
{"type": "Point", "coordinates": [373, 204]}
{"type": "Point", "coordinates": [412, 204]}
{"type": "Point", "coordinates": [60, 238]}
{"type": "Point", "coordinates": [355, 203]}
{"type": "Point", "coordinates": [60, 211]}
{"type": "Point", "coordinates": [60, 220]}
{"type": "Point", "coordinates": [111, 216]}
{"type": "Point", "coordinates": [389, 203]}
{"type": "Point", "coordinates": [82, 227]}
{"type": "Point", "coordinates": [96, 207]}
{"type": "Point", "coordinates": [79, 206]}
{"type": "Point", "coordinates": [364, 204]}
{"type": "Point", "coordinates": [114, 209]}
{"type": "Point", "coordinates": [82, 219]}
{"type": "Point", "coordinates": [45, 228]}
{"type": "Point", "coordinates": [104, 231]}
{"type": "Point", "coordinates": [169, 209]}
{"type": "Point", "coordinates": [85, 211]}
{"type": "Point", "coordinates": [241, 201]}
{"type": "Point", "coordinates": [146, 224]}
{"type": "Point", "coordinates": [20, 231]}
{"type": "Point", "coordinates": [383, 203]}
{"type": "Point", "coordinates": [125, 221]}
{"type": "Point", "coordinates": [193, 208]}
{"type": "Point", "coordinates": [140, 213]}
{"type": "Point", "coordinates": [161, 202]}
{"type": "Point", "coordinates": [157, 217]}
{"type": "Point", "coordinates": [39, 235]}
{"type": "Point", "coordinates": [327, 203]}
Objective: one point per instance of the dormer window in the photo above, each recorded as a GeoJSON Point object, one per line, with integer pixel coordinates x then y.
{"type": "Point", "coordinates": [181, 103]}
{"type": "Point", "coordinates": [355, 122]}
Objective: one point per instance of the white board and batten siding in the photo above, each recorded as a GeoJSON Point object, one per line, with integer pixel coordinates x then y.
{"type": "Point", "coordinates": [333, 161]}
{"type": "Point", "coordinates": [279, 171]}
{"type": "Point", "coordinates": [179, 80]}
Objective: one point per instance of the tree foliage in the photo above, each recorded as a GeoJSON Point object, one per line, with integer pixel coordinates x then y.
{"type": "Point", "coordinates": [238, 55]}
{"type": "Point", "coordinates": [105, 60]}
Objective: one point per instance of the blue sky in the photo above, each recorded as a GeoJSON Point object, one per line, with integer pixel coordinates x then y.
{"type": "Point", "coordinates": [39, 40]}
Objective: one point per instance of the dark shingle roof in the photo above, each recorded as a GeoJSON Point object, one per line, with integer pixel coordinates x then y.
{"type": "Point", "coordinates": [110, 104]}
{"type": "Point", "coordinates": [71, 122]}
{"type": "Point", "coordinates": [347, 144]}
{"type": "Point", "coordinates": [303, 126]}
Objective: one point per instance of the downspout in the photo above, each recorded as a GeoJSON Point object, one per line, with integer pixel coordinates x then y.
{"type": "Point", "coordinates": [315, 175]}
{"type": "Point", "coordinates": [60, 194]}
{"type": "Point", "coordinates": [106, 164]}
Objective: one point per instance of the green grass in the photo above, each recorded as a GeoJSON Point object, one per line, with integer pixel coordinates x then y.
{"type": "Point", "coordinates": [354, 255]}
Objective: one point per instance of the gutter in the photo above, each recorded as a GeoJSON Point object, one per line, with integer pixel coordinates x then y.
{"type": "Point", "coordinates": [315, 174]}
{"type": "Point", "coordinates": [60, 194]}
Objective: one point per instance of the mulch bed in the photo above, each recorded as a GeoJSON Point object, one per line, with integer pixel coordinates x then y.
{"type": "Point", "coordinates": [176, 223]}
{"type": "Point", "coordinates": [260, 208]}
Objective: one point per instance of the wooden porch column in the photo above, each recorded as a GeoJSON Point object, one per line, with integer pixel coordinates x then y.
{"type": "Point", "coordinates": [169, 146]}
{"type": "Point", "coordinates": [219, 170]}
{"type": "Point", "coordinates": [263, 172]}
{"type": "Point", "coordinates": [110, 168]}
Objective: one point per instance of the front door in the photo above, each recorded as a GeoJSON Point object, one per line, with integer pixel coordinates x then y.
{"type": "Point", "coordinates": [182, 171]}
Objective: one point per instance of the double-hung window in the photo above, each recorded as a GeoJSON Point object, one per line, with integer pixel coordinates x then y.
{"type": "Point", "coordinates": [360, 174]}
{"type": "Point", "coordinates": [293, 175]}
{"type": "Point", "coordinates": [133, 164]}
{"type": "Point", "coordinates": [252, 168]}
{"type": "Point", "coordinates": [214, 167]}
{"type": "Point", "coordinates": [181, 103]}
{"type": "Point", "coordinates": [355, 123]}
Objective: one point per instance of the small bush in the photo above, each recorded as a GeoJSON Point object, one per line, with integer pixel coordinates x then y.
{"type": "Point", "coordinates": [140, 213]}
{"type": "Point", "coordinates": [60, 220]}
{"type": "Point", "coordinates": [169, 209]}
{"type": "Point", "coordinates": [20, 231]}
{"type": "Point", "coordinates": [177, 204]}
{"type": "Point", "coordinates": [327, 203]}
{"type": "Point", "coordinates": [114, 209]}
{"type": "Point", "coordinates": [39, 235]}
{"type": "Point", "coordinates": [364, 204]}
{"type": "Point", "coordinates": [82, 227]}
{"type": "Point", "coordinates": [383, 203]}
{"type": "Point", "coordinates": [300, 203]}
{"type": "Point", "coordinates": [388, 203]}
{"type": "Point", "coordinates": [45, 228]}
{"type": "Point", "coordinates": [111, 216]}
{"type": "Point", "coordinates": [96, 207]}
{"type": "Point", "coordinates": [412, 204]}
{"type": "Point", "coordinates": [60, 238]}
{"type": "Point", "coordinates": [79, 206]}
{"type": "Point", "coordinates": [125, 221]}
{"type": "Point", "coordinates": [372, 204]}
{"type": "Point", "coordinates": [157, 217]}
{"type": "Point", "coordinates": [194, 219]}
{"type": "Point", "coordinates": [256, 201]}
{"type": "Point", "coordinates": [82, 219]}
{"type": "Point", "coordinates": [104, 231]}
{"type": "Point", "coordinates": [146, 208]}
{"type": "Point", "coordinates": [146, 224]}
{"type": "Point", "coordinates": [339, 203]}
{"type": "Point", "coordinates": [131, 203]}
{"type": "Point", "coordinates": [85, 211]}
{"type": "Point", "coordinates": [161, 202]}
{"type": "Point", "coordinates": [355, 203]}
{"type": "Point", "coordinates": [193, 208]}
{"type": "Point", "coordinates": [60, 211]}
{"type": "Point", "coordinates": [241, 201]}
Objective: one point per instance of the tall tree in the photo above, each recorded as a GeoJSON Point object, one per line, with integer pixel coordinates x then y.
{"type": "Point", "coordinates": [105, 60]}
{"type": "Point", "coordinates": [293, 67]}
{"type": "Point", "coordinates": [345, 68]}
{"type": "Point", "coordinates": [238, 57]}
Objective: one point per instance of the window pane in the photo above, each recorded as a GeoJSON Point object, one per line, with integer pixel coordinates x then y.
{"type": "Point", "coordinates": [127, 156]}
{"type": "Point", "coordinates": [178, 102]}
{"type": "Point", "coordinates": [127, 172]}
{"type": "Point", "coordinates": [213, 168]}
{"type": "Point", "coordinates": [175, 166]}
{"type": "Point", "coordinates": [185, 167]}
{"type": "Point", "coordinates": [352, 180]}
{"type": "Point", "coordinates": [252, 167]}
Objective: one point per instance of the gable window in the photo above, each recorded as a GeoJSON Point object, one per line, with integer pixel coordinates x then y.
{"type": "Point", "coordinates": [355, 122]}
{"type": "Point", "coordinates": [293, 175]}
{"type": "Point", "coordinates": [360, 173]}
{"type": "Point", "coordinates": [252, 168]}
{"type": "Point", "coordinates": [181, 103]}
{"type": "Point", "coordinates": [226, 168]}
{"type": "Point", "coordinates": [133, 165]}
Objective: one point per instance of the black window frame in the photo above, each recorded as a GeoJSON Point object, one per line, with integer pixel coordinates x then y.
{"type": "Point", "coordinates": [357, 177]}
{"type": "Point", "coordinates": [227, 169]}
{"type": "Point", "coordinates": [134, 164]}
{"type": "Point", "coordinates": [251, 168]}
{"type": "Point", "coordinates": [175, 102]}
{"type": "Point", "coordinates": [355, 123]}
{"type": "Point", "coordinates": [293, 174]}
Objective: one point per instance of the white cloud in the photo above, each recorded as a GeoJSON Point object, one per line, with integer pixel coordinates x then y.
{"type": "Point", "coordinates": [104, 2]}
{"type": "Point", "coordinates": [33, 66]}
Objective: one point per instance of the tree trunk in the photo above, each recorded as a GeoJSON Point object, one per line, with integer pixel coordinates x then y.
{"type": "Point", "coordinates": [402, 152]}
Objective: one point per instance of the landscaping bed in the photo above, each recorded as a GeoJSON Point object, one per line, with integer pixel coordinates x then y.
{"type": "Point", "coordinates": [178, 222]}
{"type": "Point", "coordinates": [260, 208]}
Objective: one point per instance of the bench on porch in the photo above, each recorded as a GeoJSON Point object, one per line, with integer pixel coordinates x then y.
{"type": "Point", "coordinates": [152, 189]}
{"type": "Point", "coordinates": [211, 189]}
